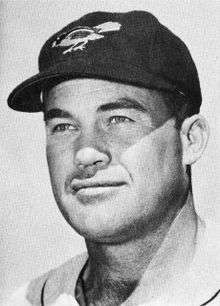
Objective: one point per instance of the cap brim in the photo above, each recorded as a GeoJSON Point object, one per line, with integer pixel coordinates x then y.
{"type": "Point", "coordinates": [27, 96]}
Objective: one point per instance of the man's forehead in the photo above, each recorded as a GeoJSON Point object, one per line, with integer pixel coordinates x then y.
{"type": "Point", "coordinates": [103, 90]}
{"type": "Point", "coordinates": [81, 85]}
{"type": "Point", "coordinates": [85, 97]}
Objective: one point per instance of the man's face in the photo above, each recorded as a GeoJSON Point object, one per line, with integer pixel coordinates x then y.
{"type": "Point", "coordinates": [114, 158]}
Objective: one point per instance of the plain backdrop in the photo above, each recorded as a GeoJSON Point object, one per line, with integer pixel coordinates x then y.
{"type": "Point", "coordinates": [33, 235]}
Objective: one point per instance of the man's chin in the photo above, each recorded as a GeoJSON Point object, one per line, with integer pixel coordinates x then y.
{"type": "Point", "coordinates": [104, 236]}
{"type": "Point", "coordinates": [103, 216]}
{"type": "Point", "coordinates": [106, 229]}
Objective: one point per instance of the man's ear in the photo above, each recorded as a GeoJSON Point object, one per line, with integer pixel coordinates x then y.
{"type": "Point", "coordinates": [194, 135]}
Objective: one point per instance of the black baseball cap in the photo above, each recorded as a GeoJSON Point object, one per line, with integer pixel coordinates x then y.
{"type": "Point", "coordinates": [132, 48]}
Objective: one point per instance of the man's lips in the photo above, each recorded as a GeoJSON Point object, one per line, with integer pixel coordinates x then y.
{"type": "Point", "coordinates": [83, 185]}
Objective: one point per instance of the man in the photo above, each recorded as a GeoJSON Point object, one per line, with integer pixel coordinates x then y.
{"type": "Point", "coordinates": [120, 95]}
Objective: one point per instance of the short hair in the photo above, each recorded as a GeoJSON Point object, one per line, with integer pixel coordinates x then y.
{"type": "Point", "coordinates": [180, 109]}
{"type": "Point", "coordinates": [179, 106]}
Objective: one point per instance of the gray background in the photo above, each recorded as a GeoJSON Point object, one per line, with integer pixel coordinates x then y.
{"type": "Point", "coordinates": [33, 235]}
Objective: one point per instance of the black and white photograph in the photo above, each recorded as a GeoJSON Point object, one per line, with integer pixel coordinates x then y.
{"type": "Point", "coordinates": [109, 145]}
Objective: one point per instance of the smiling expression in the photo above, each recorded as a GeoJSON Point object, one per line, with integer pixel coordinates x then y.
{"type": "Point", "coordinates": [114, 157]}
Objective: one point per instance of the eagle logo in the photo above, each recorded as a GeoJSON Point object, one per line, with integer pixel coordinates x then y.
{"type": "Point", "coordinates": [79, 37]}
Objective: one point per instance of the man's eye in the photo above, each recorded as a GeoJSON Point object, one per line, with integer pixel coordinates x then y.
{"type": "Point", "coordinates": [63, 127]}
{"type": "Point", "coordinates": [119, 119]}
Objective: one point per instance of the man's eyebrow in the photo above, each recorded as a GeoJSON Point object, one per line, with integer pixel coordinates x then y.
{"type": "Point", "coordinates": [56, 113]}
{"type": "Point", "coordinates": [122, 103]}
{"type": "Point", "coordinates": [118, 104]}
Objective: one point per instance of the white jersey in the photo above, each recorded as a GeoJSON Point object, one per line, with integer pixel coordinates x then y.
{"type": "Point", "coordinates": [199, 286]}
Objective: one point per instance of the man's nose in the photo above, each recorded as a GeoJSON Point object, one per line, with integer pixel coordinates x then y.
{"type": "Point", "coordinates": [90, 160]}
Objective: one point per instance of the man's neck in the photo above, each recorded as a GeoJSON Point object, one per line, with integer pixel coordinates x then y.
{"type": "Point", "coordinates": [156, 256]}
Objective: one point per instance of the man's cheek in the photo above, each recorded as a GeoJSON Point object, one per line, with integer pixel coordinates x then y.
{"type": "Point", "coordinates": [59, 161]}
{"type": "Point", "coordinates": [137, 152]}
{"type": "Point", "coordinates": [146, 158]}
{"type": "Point", "coordinates": [118, 146]}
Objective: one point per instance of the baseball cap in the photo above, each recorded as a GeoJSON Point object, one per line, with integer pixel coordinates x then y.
{"type": "Point", "coordinates": [132, 48]}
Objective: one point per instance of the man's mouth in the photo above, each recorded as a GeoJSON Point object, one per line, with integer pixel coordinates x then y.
{"type": "Point", "coordinates": [80, 185]}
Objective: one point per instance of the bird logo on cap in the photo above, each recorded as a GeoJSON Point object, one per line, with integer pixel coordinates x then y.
{"type": "Point", "coordinates": [78, 38]}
